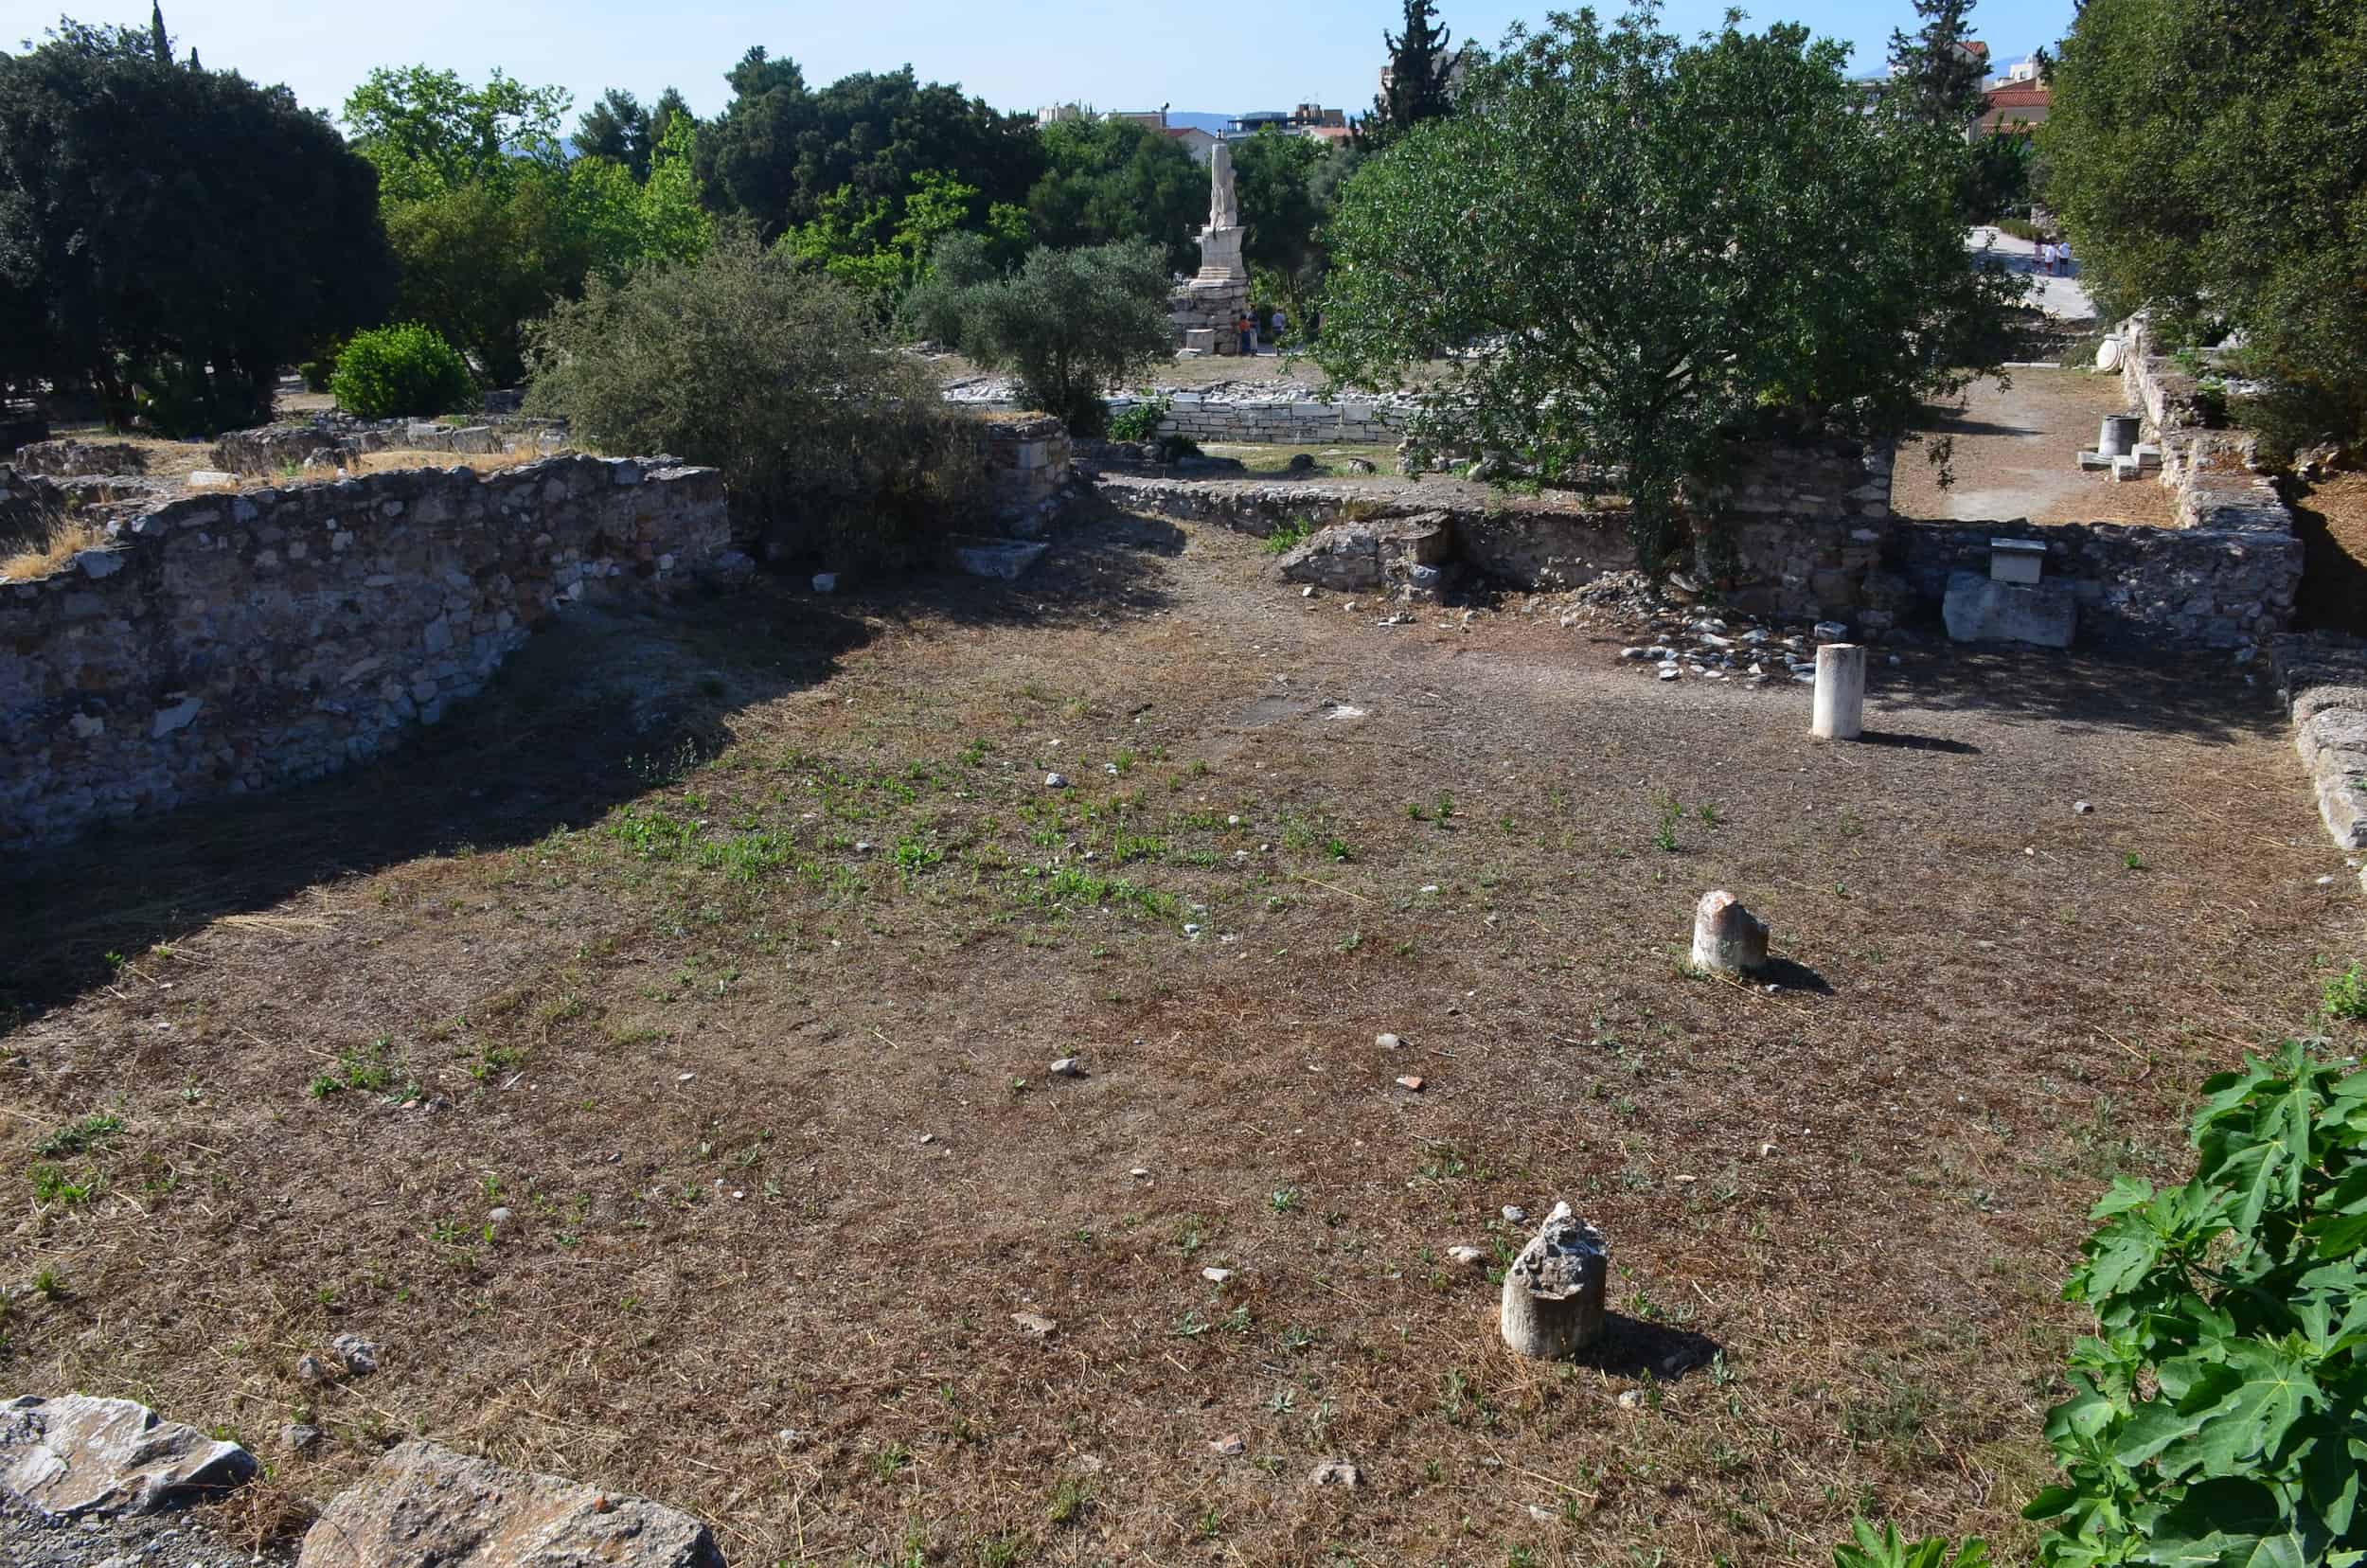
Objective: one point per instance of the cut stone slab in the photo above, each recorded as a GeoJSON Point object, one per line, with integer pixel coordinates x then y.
{"type": "Point", "coordinates": [78, 1458]}
{"type": "Point", "coordinates": [1007, 561]}
{"type": "Point", "coordinates": [1978, 609]}
{"type": "Point", "coordinates": [426, 1507]}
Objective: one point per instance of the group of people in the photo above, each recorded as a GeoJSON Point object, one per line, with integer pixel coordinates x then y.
{"type": "Point", "coordinates": [2054, 257]}
{"type": "Point", "coordinates": [1246, 325]}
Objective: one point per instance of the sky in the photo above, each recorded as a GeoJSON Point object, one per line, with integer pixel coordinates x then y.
{"type": "Point", "coordinates": [1194, 57]}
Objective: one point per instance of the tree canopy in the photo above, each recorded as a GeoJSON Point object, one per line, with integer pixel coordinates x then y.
{"type": "Point", "coordinates": [172, 232]}
{"type": "Point", "coordinates": [1071, 324]}
{"type": "Point", "coordinates": [1647, 248]}
{"type": "Point", "coordinates": [428, 131]}
{"type": "Point", "coordinates": [1935, 74]}
{"type": "Point", "coordinates": [781, 150]}
{"type": "Point", "coordinates": [1112, 180]}
{"type": "Point", "coordinates": [2210, 160]}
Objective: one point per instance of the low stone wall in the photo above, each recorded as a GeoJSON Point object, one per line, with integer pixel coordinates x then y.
{"type": "Point", "coordinates": [2323, 679]}
{"type": "Point", "coordinates": [1028, 464]}
{"type": "Point", "coordinates": [1255, 419]}
{"type": "Point", "coordinates": [337, 440]}
{"type": "Point", "coordinates": [69, 458]}
{"type": "Point", "coordinates": [228, 643]}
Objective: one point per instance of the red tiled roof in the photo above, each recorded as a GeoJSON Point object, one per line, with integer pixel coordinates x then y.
{"type": "Point", "coordinates": [2018, 97]}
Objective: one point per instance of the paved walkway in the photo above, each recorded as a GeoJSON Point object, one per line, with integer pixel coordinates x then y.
{"type": "Point", "coordinates": [2062, 296]}
{"type": "Point", "coordinates": [2017, 456]}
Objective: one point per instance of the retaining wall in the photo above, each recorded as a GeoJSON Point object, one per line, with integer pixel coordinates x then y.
{"type": "Point", "coordinates": [1262, 421]}
{"type": "Point", "coordinates": [228, 643]}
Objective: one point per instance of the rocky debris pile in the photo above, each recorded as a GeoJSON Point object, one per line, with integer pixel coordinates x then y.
{"type": "Point", "coordinates": [1406, 555]}
{"type": "Point", "coordinates": [1711, 648]}
{"type": "Point", "coordinates": [30, 1539]}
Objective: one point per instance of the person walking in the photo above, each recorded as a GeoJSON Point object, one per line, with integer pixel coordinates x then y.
{"type": "Point", "coordinates": [1280, 322]}
{"type": "Point", "coordinates": [1248, 330]}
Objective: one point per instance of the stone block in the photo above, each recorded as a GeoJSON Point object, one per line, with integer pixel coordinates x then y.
{"type": "Point", "coordinates": [1978, 609]}
{"type": "Point", "coordinates": [77, 1457]}
{"type": "Point", "coordinates": [426, 1507]}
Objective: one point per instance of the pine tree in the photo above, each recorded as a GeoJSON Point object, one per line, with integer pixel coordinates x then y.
{"type": "Point", "coordinates": [157, 41]}
{"type": "Point", "coordinates": [1935, 73]}
{"type": "Point", "coordinates": [1418, 85]}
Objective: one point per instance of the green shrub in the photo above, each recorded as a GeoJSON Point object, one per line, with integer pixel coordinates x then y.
{"type": "Point", "coordinates": [1142, 421]}
{"type": "Point", "coordinates": [316, 372]}
{"type": "Point", "coordinates": [2218, 1416]}
{"type": "Point", "coordinates": [178, 399]}
{"type": "Point", "coordinates": [832, 443]}
{"type": "Point", "coordinates": [393, 371]}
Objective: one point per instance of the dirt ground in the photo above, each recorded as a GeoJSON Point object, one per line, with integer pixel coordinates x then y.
{"type": "Point", "coordinates": [2017, 456]}
{"type": "Point", "coordinates": [655, 1061]}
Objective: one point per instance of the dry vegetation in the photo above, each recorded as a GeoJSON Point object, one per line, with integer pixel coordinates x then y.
{"type": "Point", "coordinates": [59, 540]}
{"type": "Point", "coordinates": [726, 951]}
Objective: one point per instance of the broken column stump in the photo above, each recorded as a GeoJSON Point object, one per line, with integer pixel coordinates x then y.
{"type": "Point", "coordinates": [1727, 938]}
{"type": "Point", "coordinates": [1552, 1296]}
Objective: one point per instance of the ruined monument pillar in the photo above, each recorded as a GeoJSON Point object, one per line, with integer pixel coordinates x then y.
{"type": "Point", "coordinates": [1840, 707]}
{"type": "Point", "coordinates": [1205, 308]}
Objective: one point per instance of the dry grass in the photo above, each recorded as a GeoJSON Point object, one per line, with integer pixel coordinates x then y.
{"type": "Point", "coordinates": [64, 540]}
{"type": "Point", "coordinates": [385, 462]}
{"type": "Point", "coordinates": [770, 1113]}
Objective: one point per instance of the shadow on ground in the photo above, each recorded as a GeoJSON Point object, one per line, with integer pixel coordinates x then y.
{"type": "Point", "coordinates": [2200, 695]}
{"type": "Point", "coordinates": [595, 710]}
{"type": "Point", "coordinates": [1637, 1347]}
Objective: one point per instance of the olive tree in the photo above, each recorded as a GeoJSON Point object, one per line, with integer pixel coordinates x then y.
{"type": "Point", "coordinates": [830, 440]}
{"type": "Point", "coordinates": [1072, 324]}
{"type": "Point", "coordinates": [1641, 249]}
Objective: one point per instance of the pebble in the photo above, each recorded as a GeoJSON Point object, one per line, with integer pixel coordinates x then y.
{"type": "Point", "coordinates": [1516, 1214]}
{"type": "Point", "coordinates": [1140, 1173]}
{"type": "Point", "coordinates": [2325, 881]}
{"type": "Point", "coordinates": [311, 1368]}
{"type": "Point", "coordinates": [1668, 673]}
{"type": "Point", "coordinates": [1068, 1067]}
{"type": "Point", "coordinates": [1190, 929]}
{"type": "Point", "coordinates": [1227, 1447]}
{"type": "Point", "coordinates": [1410, 1082]}
{"type": "Point", "coordinates": [1216, 1276]}
{"type": "Point", "coordinates": [1632, 1399]}
{"type": "Point", "coordinates": [928, 1137]}
{"type": "Point", "coordinates": [296, 1439]}
{"type": "Point", "coordinates": [1056, 781]}
{"type": "Point", "coordinates": [1035, 1323]}
{"type": "Point", "coordinates": [1767, 1152]}
{"type": "Point", "coordinates": [499, 1218]}
{"type": "Point", "coordinates": [1387, 1041]}
{"type": "Point", "coordinates": [1307, 591]}
{"type": "Point", "coordinates": [2080, 808]}
{"type": "Point", "coordinates": [1471, 1258]}
{"type": "Point", "coordinates": [1335, 1472]}
{"type": "Point", "coordinates": [1232, 822]}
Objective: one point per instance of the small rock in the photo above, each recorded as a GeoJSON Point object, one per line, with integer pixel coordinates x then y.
{"type": "Point", "coordinates": [1056, 781]}
{"type": "Point", "coordinates": [1335, 1472]}
{"type": "Point", "coordinates": [360, 1355]}
{"type": "Point", "coordinates": [1830, 632]}
{"type": "Point", "coordinates": [1035, 1323]}
{"type": "Point", "coordinates": [1515, 1214]}
{"type": "Point", "coordinates": [1307, 591]}
{"type": "Point", "coordinates": [1632, 1399]}
{"type": "Point", "coordinates": [1767, 1152]}
{"type": "Point", "coordinates": [1068, 1067]}
{"type": "Point", "coordinates": [1387, 1041]}
{"type": "Point", "coordinates": [312, 1369]}
{"type": "Point", "coordinates": [1140, 1173]}
{"type": "Point", "coordinates": [296, 1439]}
{"type": "Point", "coordinates": [1216, 1276]}
{"type": "Point", "coordinates": [1410, 1082]}
{"type": "Point", "coordinates": [928, 1137]}
{"type": "Point", "coordinates": [1668, 673]}
{"type": "Point", "coordinates": [1190, 929]}
{"type": "Point", "coordinates": [1471, 1258]}
{"type": "Point", "coordinates": [499, 1218]}
{"type": "Point", "coordinates": [2080, 808]}
{"type": "Point", "coordinates": [826, 583]}
{"type": "Point", "coordinates": [1227, 1447]}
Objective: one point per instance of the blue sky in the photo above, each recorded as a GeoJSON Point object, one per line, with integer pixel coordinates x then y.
{"type": "Point", "coordinates": [1202, 57]}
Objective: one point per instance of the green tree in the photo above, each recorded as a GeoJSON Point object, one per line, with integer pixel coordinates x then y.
{"type": "Point", "coordinates": [166, 226]}
{"type": "Point", "coordinates": [829, 440]}
{"type": "Point", "coordinates": [429, 132]}
{"type": "Point", "coordinates": [1072, 324]}
{"type": "Point", "coordinates": [482, 258]}
{"type": "Point", "coordinates": [1275, 176]}
{"type": "Point", "coordinates": [2210, 161]}
{"type": "Point", "coordinates": [1935, 75]}
{"type": "Point", "coordinates": [1108, 181]}
{"type": "Point", "coordinates": [673, 225]}
{"type": "Point", "coordinates": [1420, 81]}
{"type": "Point", "coordinates": [1659, 247]}
{"type": "Point", "coordinates": [867, 245]}
{"type": "Point", "coordinates": [616, 128]}
{"type": "Point", "coordinates": [779, 150]}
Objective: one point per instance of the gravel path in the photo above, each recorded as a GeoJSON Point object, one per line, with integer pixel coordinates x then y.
{"type": "Point", "coordinates": [29, 1540]}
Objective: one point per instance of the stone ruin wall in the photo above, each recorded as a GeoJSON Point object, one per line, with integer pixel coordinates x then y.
{"type": "Point", "coordinates": [1028, 463]}
{"type": "Point", "coordinates": [1254, 420]}
{"type": "Point", "coordinates": [230, 643]}
{"type": "Point", "coordinates": [1814, 539]}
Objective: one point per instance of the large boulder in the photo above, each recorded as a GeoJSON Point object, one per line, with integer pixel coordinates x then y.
{"type": "Point", "coordinates": [78, 1456]}
{"type": "Point", "coordinates": [1355, 558]}
{"type": "Point", "coordinates": [1980, 609]}
{"type": "Point", "coordinates": [426, 1507]}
